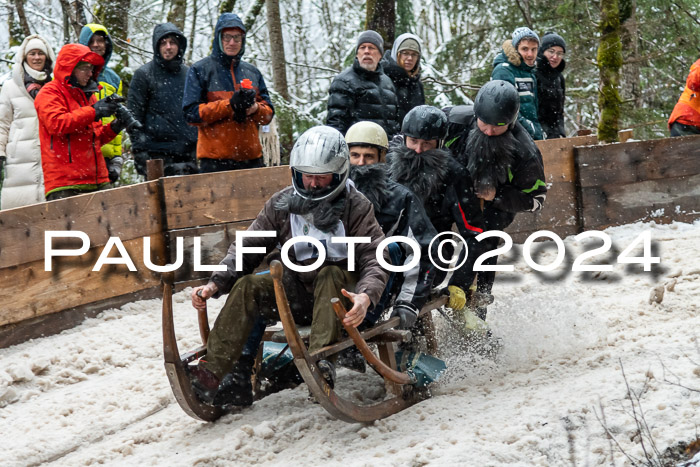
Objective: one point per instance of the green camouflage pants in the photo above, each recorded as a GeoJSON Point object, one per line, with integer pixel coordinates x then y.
{"type": "Point", "coordinates": [253, 296]}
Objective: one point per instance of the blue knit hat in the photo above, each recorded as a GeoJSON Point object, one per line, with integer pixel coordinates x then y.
{"type": "Point", "coordinates": [522, 33]}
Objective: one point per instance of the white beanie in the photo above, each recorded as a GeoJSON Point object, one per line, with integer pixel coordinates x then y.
{"type": "Point", "coordinates": [36, 44]}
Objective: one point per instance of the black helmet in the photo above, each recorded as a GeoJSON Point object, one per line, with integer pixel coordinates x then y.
{"type": "Point", "coordinates": [497, 103]}
{"type": "Point", "coordinates": [425, 122]}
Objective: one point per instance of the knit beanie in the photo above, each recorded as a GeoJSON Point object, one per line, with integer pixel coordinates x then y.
{"type": "Point", "coordinates": [521, 33]}
{"type": "Point", "coordinates": [409, 44]}
{"type": "Point", "coordinates": [552, 39]}
{"type": "Point", "coordinates": [373, 38]}
{"type": "Point", "coordinates": [36, 44]}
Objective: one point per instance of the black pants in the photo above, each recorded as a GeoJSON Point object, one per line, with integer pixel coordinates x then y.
{"type": "Point", "coordinates": [72, 192]}
{"type": "Point", "coordinates": [173, 164]}
{"type": "Point", "coordinates": [680, 129]}
{"type": "Point", "coordinates": [220, 165]}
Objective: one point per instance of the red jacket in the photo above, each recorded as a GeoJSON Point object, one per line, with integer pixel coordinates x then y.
{"type": "Point", "coordinates": [687, 110]}
{"type": "Point", "coordinates": [69, 135]}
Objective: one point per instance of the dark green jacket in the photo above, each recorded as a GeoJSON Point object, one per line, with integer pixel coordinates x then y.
{"type": "Point", "coordinates": [509, 66]}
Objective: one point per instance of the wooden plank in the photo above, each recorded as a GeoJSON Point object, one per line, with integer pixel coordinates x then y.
{"type": "Point", "coordinates": [221, 197]}
{"type": "Point", "coordinates": [558, 156]}
{"type": "Point", "coordinates": [662, 200]}
{"type": "Point", "coordinates": [128, 212]}
{"type": "Point", "coordinates": [214, 240]}
{"type": "Point", "coordinates": [559, 212]}
{"type": "Point", "coordinates": [617, 164]}
{"type": "Point", "coordinates": [71, 283]}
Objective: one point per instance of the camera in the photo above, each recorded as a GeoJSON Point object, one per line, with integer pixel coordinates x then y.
{"type": "Point", "coordinates": [123, 114]}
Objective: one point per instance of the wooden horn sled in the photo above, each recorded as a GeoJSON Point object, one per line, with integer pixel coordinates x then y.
{"type": "Point", "coordinates": [399, 384]}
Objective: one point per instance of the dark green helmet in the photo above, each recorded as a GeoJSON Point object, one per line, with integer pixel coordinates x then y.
{"type": "Point", "coordinates": [497, 103]}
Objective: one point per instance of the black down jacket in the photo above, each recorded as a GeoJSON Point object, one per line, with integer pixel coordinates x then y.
{"type": "Point", "coordinates": [155, 99]}
{"type": "Point", "coordinates": [357, 95]}
{"type": "Point", "coordinates": [409, 89]}
{"type": "Point", "coordinates": [551, 91]}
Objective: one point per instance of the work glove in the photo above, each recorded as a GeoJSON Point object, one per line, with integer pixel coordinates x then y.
{"type": "Point", "coordinates": [458, 298]}
{"type": "Point", "coordinates": [241, 101]}
{"type": "Point", "coordinates": [105, 108]}
{"type": "Point", "coordinates": [114, 167]}
{"type": "Point", "coordinates": [117, 125]}
{"type": "Point", "coordinates": [407, 313]}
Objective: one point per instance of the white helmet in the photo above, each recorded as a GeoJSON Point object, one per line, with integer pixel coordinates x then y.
{"type": "Point", "coordinates": [320, 150]}
{"type": "Point", "coordinates": [368, 134]}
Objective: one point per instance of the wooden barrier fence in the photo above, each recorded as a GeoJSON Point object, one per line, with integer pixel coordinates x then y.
{"type": "Point", "coordinates": [590, 187]}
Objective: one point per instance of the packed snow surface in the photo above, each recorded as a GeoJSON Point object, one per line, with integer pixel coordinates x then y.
{"type": "Point", "coordinates": [572, 344]}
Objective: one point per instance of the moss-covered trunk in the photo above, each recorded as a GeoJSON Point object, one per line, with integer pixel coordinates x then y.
{"type": "Point", "coordinates": [609, 64]}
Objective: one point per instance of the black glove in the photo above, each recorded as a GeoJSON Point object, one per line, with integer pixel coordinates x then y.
{"type": "Point", "coordinates": [114, 167]}
{"type": "Point", "coordinates": [117, 125]}
{"type": "Point", "coordinates": [105, 108]}
{"type": "Point", "coordinates": [407, 313]}
{"type": "Point", "coordinates": [241, 101]}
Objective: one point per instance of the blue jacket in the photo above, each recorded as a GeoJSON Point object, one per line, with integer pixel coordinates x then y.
{"type": "Point", "coordinates": [210, 85]}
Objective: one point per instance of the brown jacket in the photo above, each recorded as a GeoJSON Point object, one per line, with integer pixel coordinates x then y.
{"type": "Point", "coordinates": [358, 220]}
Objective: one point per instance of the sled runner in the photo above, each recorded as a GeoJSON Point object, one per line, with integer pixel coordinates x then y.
{"type": "Point", "coordinates": [400, 384]}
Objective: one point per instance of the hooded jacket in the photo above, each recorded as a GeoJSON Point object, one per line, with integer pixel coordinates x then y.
{"type": "Point", "coordinates": [357, 219]}
{"type": "Point", "coordinates": [357, 94]}
{"type": "Point", "coordinates": [400, 212]}
{"type": "Point", "coordinates": [409, 88]}
{"type": "Point", "coordinates": [70, 137]}
{"type": "Point", "coordinates": [109, 81]}
{"type": "Point", "coordinates": [210, 85]}
{"type": "Point", "coordinates": [23, 182]}
{"type": "Point", "coordinates": [551, 92]}
{"type": "Point", "coordinates": [687, 109]}
{"type": "Point", "coordinates": [509, 66]}
{"type": "Point", "coordinates": [155, 99]}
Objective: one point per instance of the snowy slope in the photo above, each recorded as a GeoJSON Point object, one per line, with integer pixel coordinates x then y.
{"type": "Point", "coordinates": [98, 393]}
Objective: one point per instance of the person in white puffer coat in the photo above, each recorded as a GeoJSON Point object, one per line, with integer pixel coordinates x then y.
{"type": "Point", "coordinates": [23, 180]}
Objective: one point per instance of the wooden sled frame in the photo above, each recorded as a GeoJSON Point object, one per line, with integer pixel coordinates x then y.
{"type": "Point", "coordinates": [398, 383]}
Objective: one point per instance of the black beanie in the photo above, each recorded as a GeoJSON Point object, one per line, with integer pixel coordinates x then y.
{"type": "Point", "coordinates": [551, 39]}
{"type": "Point", "coordinates": [373, 37]}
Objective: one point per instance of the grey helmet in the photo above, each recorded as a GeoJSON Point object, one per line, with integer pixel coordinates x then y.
{"type": "Point", "coordinates": [320, 150]}
{"type": "Point", "coordinates": [497, 103]}
{"type": "Point", "coordinates": [425, 122]}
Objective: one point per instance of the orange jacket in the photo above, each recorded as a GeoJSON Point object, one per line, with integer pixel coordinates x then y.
{"type": "Point", "coordinates": [209, 87]}
{"type": "Point", "coordinates": [69, 135]}
{"type": "Point", "coordinates": [687, 110]}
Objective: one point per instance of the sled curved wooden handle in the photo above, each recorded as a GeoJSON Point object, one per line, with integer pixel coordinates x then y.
{"type": "Point", "coordinates": [388, 373]}
{"type": "Point", "coordinates": [203, 319]}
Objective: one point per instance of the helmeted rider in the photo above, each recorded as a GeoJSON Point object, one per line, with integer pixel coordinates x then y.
{"type": "Point", "coordinates": [399, 212]}
{"type": "Point", "coordinates": [503, 162]}
{"type": "Point", "coordinates": [418, 160]}
{"type": "Point", "coordinates": [320, 204]}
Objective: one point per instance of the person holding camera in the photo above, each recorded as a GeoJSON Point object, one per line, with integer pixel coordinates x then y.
{"type": "Point", "coordinates": [227, 99]}
{"type": "Point", "coordinates": [155, 98]}
{"type": "Point", "coordinates": [71, 131]}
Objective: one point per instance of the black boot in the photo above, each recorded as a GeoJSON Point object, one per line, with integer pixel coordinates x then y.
{"type": "Point", "coordinates": [204, 382]}
{"type": "Point", "coordinates": [236, 387]}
